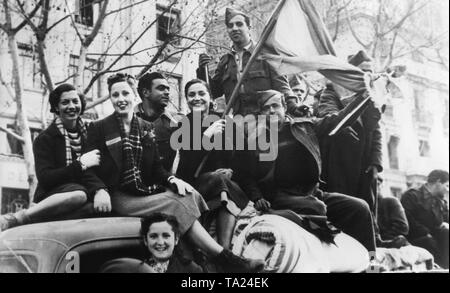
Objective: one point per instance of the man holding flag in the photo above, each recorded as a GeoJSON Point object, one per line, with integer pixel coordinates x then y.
{"type": "Point", "coordinates": [231, 66]}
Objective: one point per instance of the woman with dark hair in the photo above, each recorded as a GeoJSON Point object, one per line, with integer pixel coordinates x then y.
{"type": "Point", "coordinates": [161, 236]}
{"type": "Point", "coordinates": [59, 163]}
{"type": "Point", "coordinates": [131, 180]}
{"type": "Point", "coordinates": [224, 197]}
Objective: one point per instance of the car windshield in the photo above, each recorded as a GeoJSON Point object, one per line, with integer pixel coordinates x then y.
{"type": "Point", "coordinates": [14, 262]}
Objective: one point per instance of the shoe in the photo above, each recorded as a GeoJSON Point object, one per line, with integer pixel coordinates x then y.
{"type": "Point", "coordinates": [397, 242]}
{"type": "Point", "coordinates": [231, 263]}
{"type": "Point", "coordinates": [8, 221]}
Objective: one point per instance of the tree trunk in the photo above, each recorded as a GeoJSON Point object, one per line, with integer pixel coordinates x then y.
{"type": "Point", "coordinates": [22, 119]}
{"type": "Point", "coordinates": [79, 82]}
{"type": "Point", "coordinates": [43, 63]}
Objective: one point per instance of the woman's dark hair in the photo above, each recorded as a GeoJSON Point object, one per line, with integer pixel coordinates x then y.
{"type": "Point", "coordinates": [121, 77]}
{"type": "Point", "coordinates": [159, 218]}
{"type": "Point", "coordinates": [195, 81]}
{"type": "Point", "coordinates": [55, 97]}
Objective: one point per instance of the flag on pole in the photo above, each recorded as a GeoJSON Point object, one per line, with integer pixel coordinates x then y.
{"type": "Point", "coordinates": [299, 42]}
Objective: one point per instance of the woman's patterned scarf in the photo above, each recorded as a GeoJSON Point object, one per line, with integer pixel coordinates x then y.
{"type": "Point", "coordinates": [132, 151]}
{"type": "Point", "coordinates": [81, 127]}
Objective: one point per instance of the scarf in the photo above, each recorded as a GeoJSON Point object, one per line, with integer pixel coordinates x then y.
{"type": "Point", "coordinates": [81, 127]}
{"type": "Point", "coordinates": [132, 153]}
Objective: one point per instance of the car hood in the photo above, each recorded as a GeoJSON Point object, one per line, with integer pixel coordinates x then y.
{"type": "Point", "coordinates": [69, 233]}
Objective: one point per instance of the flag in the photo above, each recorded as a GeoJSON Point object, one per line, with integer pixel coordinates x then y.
{"type": "Point", "coordinates": [299, 42]}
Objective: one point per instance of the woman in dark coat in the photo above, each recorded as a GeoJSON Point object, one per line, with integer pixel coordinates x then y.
{"type": "Point", "coordinates": [224, 197]}
{"type": "Point", "coordinates": [59, 163]}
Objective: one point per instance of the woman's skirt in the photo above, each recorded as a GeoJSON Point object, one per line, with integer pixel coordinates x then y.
{"type": "Point", "coordinates": [212, 187]}
{"type": "Point", "coordinates": [185, 209]}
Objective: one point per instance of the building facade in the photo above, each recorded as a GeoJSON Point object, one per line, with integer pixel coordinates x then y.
{"type": "Point", "coordinates": [133, 30]}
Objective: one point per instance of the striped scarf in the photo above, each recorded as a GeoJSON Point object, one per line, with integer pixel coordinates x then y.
{"type": "Point", "coordinates": [81, 128]}
{"type": "Point", "coordinates": [132, 153]}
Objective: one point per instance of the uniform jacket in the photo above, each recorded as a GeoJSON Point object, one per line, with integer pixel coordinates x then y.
{"type": "Point", "coordinates": [104, 135]}
{"type": "Point", "coordinates": [260, 78]}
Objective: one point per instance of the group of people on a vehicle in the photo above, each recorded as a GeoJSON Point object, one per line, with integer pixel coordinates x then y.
{"type": "Point", "coordinates": [125, 164]}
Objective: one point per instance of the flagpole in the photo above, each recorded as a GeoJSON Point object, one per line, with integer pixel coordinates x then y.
{"type": "Point", "coordinates": [264, 36]}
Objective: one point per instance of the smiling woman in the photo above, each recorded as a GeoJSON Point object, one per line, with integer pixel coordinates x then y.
{"type": "Point", "coordinates": [60, 164]}
{"type": "Point", "coordinates": [160, 234]}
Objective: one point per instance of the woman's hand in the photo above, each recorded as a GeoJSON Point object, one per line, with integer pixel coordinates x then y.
{"type": "Point", "coordinates": [228, 173]}
{"type": "Point", "coordinates": [102, 202]}
{"type": "Point", "coordinates": [91, 159]}
{"type": "Point", "coordinates": [216, 128]}
{"type": "Point", "coordinates": [183, 188]}
{"type": "Point", "coordinates": [262, 205]}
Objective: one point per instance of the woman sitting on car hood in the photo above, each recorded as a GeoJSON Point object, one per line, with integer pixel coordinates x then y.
{"type": "Point", "coordinates": [59, 164]}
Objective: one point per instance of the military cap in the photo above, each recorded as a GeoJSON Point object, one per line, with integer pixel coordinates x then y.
{"type": "Point", "coordinates": [265, 96]}
{"type": "Point", "coordinates": [231, 12]}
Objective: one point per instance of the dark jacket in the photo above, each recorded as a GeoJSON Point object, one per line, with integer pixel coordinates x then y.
{"type": "Point", "coordinates": [425, 212]}
{"type": "Point", "coordinates": [392, 219]}
{"type": "Point", "coordinates": [163, 132]}
{"type": "Point", "coordinates": [307, 131]}
{"type": "Point", "coordinates": [104, 135]}
{"type": "Point", "coordinates": [50, 162]}
{"type": "Point", "coordinates": [260, 78]}
{"type": "Point", "coordinates": [191, 159]}
{"type": "Point", "coordinates": [347, 156]}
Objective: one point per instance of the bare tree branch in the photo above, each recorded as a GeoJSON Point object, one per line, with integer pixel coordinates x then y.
{"type": "Point", "coordinates": [13, 134]}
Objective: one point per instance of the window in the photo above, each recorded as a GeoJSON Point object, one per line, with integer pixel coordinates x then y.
{"type": "Point", "coordinates": [18, 264]}
{"type": "Point", "coordinates": [84, 12]}
{"type": "Point", "coordinates": [424, 148]}
{"type": "Point", "coordinates": [393, 152]}
{"type": "Point", "coordinates": [15, 146]}
{"type": "Point", "coordinates": [168, 23]}
{"type": "Point", "coordinates": [29, 67]}
{"type": "Point", "coordinates": [92, 67]}
{"type": "Point", "coordinates": [396, 192]}
{"type": "Point", "coordinates": [14, 200]}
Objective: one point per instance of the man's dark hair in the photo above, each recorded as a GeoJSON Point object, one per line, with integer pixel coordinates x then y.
{"type": "Point", "coordinates": [159, 218]}
{"type": "Point", "coordinates": [121, 77]}
{"type": "Point", "coordinates": [438, 175]}
{"type": "Point", "coordinates": [145, 82]}
{"type": "Point", "coordinates": [55, 97]}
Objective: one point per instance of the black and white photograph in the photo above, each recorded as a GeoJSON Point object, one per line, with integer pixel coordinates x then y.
{"type": "Point", "coordinates": [200, 137]}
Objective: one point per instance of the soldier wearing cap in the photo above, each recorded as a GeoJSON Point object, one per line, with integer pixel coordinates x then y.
{"type": "Point", "coordinates": [290, 182]}
{"type": "Point", "coordinates": [261, 76]}
{"type": "Point", "coordinates": [353, 159]}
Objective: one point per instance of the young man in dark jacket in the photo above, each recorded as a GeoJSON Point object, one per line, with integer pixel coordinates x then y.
{"type": "Point", "coordinates": [427, 213]}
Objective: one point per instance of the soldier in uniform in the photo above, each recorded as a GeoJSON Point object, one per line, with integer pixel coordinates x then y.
{"type": "Point", "coordinates": [231, 66]}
